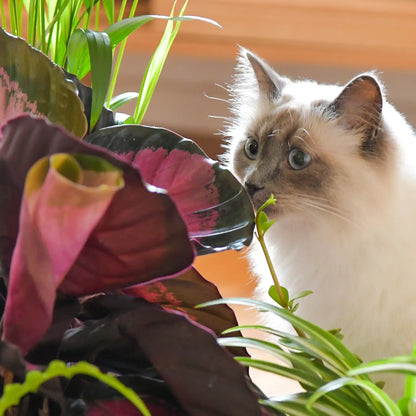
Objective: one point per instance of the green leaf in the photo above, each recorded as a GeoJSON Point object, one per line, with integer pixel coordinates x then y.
{"type": "Point", "coordinates": [321, 344]}
{"type": "Point", "coordinates": [90, 49]}
{"type": "Point", "coordinates": [121, 99]}
{"type": "Point", "coordinates": [122, 29]}
{"type": "Point", "coordinates": [263, 222]}
{"type": "Point", "coordinates": [109, 10]}
{"type": "Point", "coordinates": [388, 406]}
{"type": "Point", "coordinates": [405, 364]}
{"type": "Point", "coordinates": [154, 68]}
{"type": "Point", "coordinates": [271, 201]}
{"type": "Point", "coordinates": [302, 295]}
{"type": "Point", "coordinates": [13, 393]}
{"type": "Point", "coordinates": [407, 403]}
{"type": "Point", "coordinates": [78, 59]}
{"type": "Point", "coordinates": [302, 377]}
{"type": "Point", "coordinates": [101, 56]}
{"type": "Point", "coordinates": [275, 296]}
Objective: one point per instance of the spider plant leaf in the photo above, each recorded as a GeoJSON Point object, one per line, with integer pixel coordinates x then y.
{"type": "Point", "coordinates": [387, 405]}
{"type": "Point", "coordinates": [121, 99]}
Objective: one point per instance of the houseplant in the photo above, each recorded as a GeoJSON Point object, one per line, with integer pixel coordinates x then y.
{"type": "Point", "coordinates": [72, 213]}
{"type": "Point", "coordinates": [87, 245]}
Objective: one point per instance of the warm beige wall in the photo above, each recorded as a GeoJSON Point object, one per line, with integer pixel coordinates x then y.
{"type": "Point", "coordinates": [330, 32]}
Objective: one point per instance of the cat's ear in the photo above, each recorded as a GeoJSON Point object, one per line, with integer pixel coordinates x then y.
{"type": "Point", "coordinates": [270, 84]}
{"type": "Point", "coordinates": [359, 105]}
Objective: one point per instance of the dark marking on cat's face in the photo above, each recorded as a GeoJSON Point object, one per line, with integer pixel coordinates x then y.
{"type": "Point", "coordinates": [307, 144]}
{"type": "Point", "coordinates": [280, 138]}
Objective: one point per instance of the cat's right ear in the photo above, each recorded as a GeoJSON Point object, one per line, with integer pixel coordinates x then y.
{"type": "Point", "coordinates": [270, 84]}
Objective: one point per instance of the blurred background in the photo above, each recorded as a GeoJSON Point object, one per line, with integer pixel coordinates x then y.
{"type": "Point", "coordinates": [329, 41]}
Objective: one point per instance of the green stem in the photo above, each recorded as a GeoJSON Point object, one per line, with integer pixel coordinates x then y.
{"type": "Point", "coordinates": [279, 291]}
{"type": "Point", "coordinates": [260, 237]}
{"type": "Point", "coordinates": [3, 17]}
{"type": "Point", "coordinates": [120, 51]}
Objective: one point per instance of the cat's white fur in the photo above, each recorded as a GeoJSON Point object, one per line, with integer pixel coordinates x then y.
{"type": "Point", "coordinates": [360, 262]}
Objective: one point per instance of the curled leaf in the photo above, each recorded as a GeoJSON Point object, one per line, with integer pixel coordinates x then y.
{"type": "Point", "coordinates": [138, 236]}
{"type": "Point", "coordinates": [62, 204]}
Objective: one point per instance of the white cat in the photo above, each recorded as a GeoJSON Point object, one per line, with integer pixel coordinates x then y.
{"type": "Point", "coordinates": [341, 163]}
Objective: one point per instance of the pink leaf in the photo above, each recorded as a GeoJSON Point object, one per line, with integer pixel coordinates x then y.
{"type": "Point", "coordinates": [56, 219]}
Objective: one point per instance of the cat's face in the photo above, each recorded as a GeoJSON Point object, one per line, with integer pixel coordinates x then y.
{"type": "Point", "coordinates": [315, 147]}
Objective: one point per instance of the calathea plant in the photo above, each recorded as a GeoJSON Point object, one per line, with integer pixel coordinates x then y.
{"type": "Point", "coordinates": [98, 231]}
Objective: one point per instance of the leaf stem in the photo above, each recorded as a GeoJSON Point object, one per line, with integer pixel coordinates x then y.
{"type": "Point", "coordinates": [260, 237]}
{"type": "Point", "coordinates": [262, 225]}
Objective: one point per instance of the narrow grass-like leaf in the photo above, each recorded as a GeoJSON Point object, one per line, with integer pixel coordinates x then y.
{"type": "Point", "coordinates": [324, 343]}
{"type": "Point", "coordinates": [405, 364]}
{"type": "Point", "coordinates": [123, 28]}
{"type": "Point", "coordinates": [295, 405]}
{"type": "Point", "coordinates": [121, 99]}
{"type": "Point", "coordinates": [314, 370]}
{"type": "Point", "coordinates": [154, 69]}
{"type": "Point", "coordinates": [386, 405]}
{"type": "Point", "coordinates": [109, 10]}
{"type": "Point", "coordinates": [13, 393]}
{"type": "Point", "coordinates": [300, 361]}
{"type": "Point", "coordinates": [407, 403]}
{"type": "Point", "coordinates": [302, 377]}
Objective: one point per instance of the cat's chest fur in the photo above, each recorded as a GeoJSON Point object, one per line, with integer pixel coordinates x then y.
{"type": "Point", "coordinates": [362, 280]}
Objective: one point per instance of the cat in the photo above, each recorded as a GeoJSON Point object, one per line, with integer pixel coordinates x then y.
{"type": "Point", "coordinates": [341, 163]}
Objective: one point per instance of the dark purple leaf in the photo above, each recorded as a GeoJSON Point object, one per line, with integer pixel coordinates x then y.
{"type": "Point", "coordinates": [125, 408]}
{"type": "Point", "coordinates": [140, 237]}
{"type": "Point", "coordinates": [215, 207]}
{"type": "Point", "coordinates": [202, 376]}
{"type": "Point", "coordinates": [183, 293]}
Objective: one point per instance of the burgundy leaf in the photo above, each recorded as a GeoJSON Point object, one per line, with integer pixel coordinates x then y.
{"type": "Point", "coordinates": [203, 377]}
{"type": "Point", "coordinates": [125, 408]}
{"type": "Point", "coordinates": [214, 205]}
{"type": "Point", "coordinates": [183, 293]}
{"type": "Point", "coordinates": [128, 334]}
{"type": "Point", "coordinates": [140, 237]}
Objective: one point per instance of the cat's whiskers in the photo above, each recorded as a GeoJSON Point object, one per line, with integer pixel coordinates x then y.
{"type": "Point", "coordinates": [324, 205]}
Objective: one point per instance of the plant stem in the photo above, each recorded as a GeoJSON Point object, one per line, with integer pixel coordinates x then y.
{"type": "Point", "coordinates": [260, 237]}
{"type": "Point", "coordinates": [260, 232]}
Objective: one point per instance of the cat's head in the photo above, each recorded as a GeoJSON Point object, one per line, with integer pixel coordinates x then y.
{"type": "Point", "coordinates": [322, 150]}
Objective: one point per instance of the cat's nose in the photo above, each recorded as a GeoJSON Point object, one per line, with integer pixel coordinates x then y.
{"type": "Point", "coordinates": [252, 188]}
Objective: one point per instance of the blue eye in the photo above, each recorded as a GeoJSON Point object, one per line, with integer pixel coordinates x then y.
{"type": "Point", "coordinates": [298, 159]}
{"type": "Point", "coordinates": [251, 148]}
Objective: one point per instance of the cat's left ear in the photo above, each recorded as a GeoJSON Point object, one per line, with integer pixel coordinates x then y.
{"type": "Point", "coordinates": [359, 105]}
{"type": "Point", "coordinates": [269, 82]}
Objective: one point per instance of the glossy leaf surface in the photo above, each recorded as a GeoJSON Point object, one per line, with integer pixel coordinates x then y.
{"type": "Point", "coordinates": [183, 293]}
{"type": "Point", "coordinates": [140, 236]}
{"type": "Point", "coordinates": [210, 383]}
{"type": "Point", "coordinates": [215, 207]}
{"type": "Point", "coordinates": [30, 82]}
